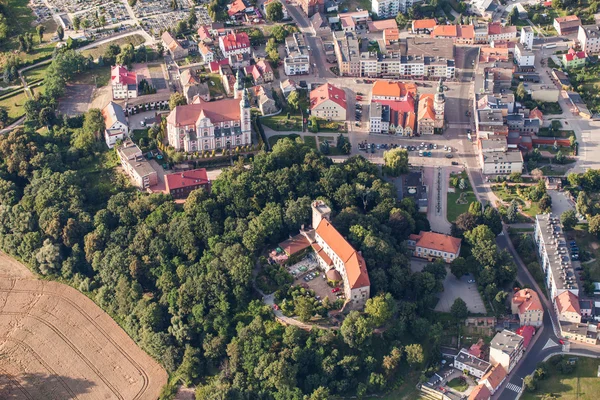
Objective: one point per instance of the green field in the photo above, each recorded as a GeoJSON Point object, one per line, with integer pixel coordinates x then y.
{"type": "Point", "coordinates": [280, 122]}
{"type": "Point", "coordinates": [582, 384]}
{"type": "Point", "coordinates": [453, 210]}
{"type": "Point", "coordinates": [216, 87]}
{"type": "Point", "coordinates": [14, 106]}
{"type": "Point", "coordinates": [589, 243]}
{"type": "Point", "coordinates": [458, 384]}
{"type": "Point", "coordinates": [311, 141]}
{"type": "Point", "coordinates": [100, 76]}
{"type": "Point", "coordinates": [35, 74]}
{"type": "Point", "coordinates": [101, 49]}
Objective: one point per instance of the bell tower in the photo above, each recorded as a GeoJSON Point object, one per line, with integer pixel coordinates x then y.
{"type": "Point", "coordinates": [439, 104]}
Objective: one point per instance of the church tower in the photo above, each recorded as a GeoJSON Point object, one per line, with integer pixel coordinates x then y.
{"type": "Point", "coordinates": [239, 85]}
{"type": "Point", "coordinates": [439, 104]}
{"type": "Point", "coordinates": [245, 121]}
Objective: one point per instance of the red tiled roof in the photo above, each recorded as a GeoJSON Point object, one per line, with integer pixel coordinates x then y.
{"type": "Point", "coordinates": [188, 178]}
{"type": "Point", "coordinates": [382, 25]}
{"type": "Point", "coordinates": [356, 269]}
{"type": "Point", "coordinates": [238, 40]}
{"type": "Point", "coordinates": [327, 92]}
{"type": "Point", "coordinates": [295, 244]}
{"type": "Point", "coordinates": [536, 113]}
{"type": "Point", "coordinates": [216, 111]}
{"type": "Point", "coordinates": [236, 7]}
{"type": "Point", "coordinates": [527, 332]}
{"type": "Point", "coordinates": [426, 107]}
{"type": "Point", "coordinates": [424, 24]}
{"type": "Point", "coordinates": [572, 54]}
{"type": "Point", "coordinates": [481, 392]}
{"type": "Point", "coordinates": [439, 242]}
{"type": "Point", "coordinates": [214, 65]}
{"type": "Point", "coordinates": [119, 74]}
{"type": "Point", "coordinates": [568, 18]}
{"type": "Point", "coordinates": [407, 105]}
{"type": "Point", "coordinates": [454, 31]}
{"type": "Point", "coordinates": [393, 89]}
{"type": "Point", "coordinates": [528, 300]}
{"type": "Point", "coordinates": [496, 28]}
{"type": "Point", "coordinates": [495, 376]}
{"type": "Point", "coordinates": [203, 32]}
{"type": "Point", "coordinates": [567, 302]}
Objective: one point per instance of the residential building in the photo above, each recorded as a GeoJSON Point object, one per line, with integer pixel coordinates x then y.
{"type": "Point", "coordinates": [287, 86]}
{"type": "Point", "coordinates": [589, 38]}
{"type": "Point", "coordinates": [320, 24]}
{"type": "Point", "coordinates": [240, 61]}
{"type": "Point", "coordinates": [503, 102]}
{"type": "Point", "coordinates": [229, 79]}
{"type": "Point", "coordinates": [192, 86]}
{"type": "Point", "coordinates": [238, 9]}
{"type": "Point", "coordinates": [124, 83]}
{"type": "Point", "coordinates": [206, 52]}
{"type": "Point", "coordinates": [425, 26]}
{"type": "Point", "coordinates": [311, 7]}
{"type": "Point", "coordinates": [524, 58]}
{"type": "Point", "coordinates": [586, 333]}
{"type": "Point", "coordinates": [481, 392]}
{"type": "Point", "coordinates": [181, 184]}
{"type": "Point", "coordinates": [585, 308]}
{"type": "Point", "coordinates": [473, 365]}
{"type": "Point", "coordinates": [554, 257]}
{"type": "Point", "coordinates": [567, 25]}
{"type": "Point", "coordinates": [431, 111]}
{"type": "Point", "coordinates": [173, 46]}
{"type": "Point", "coordinates": [431, 245]}
{"type": "Point", "coordinates": [297, 61]}
{"type": "Point", "coordinates": [136, 166]}
{"type": "Point", "coordinates": [460, 34]}
{"type": "Point", "coordinates": [204, 34]}
{"type": "Point", "coordinates": [526, 303]}
{"type": "Point", "coordinates": [261, 72]}
{"type": "Point", "coordinates": [328, 102]}
{"type": "Point", "coordinates": [393, 90]}
{"type": "Point", "coordinates": [349, 21]}
{"type": "Point", "coordinates": [265, 102]}
{"type": "Point", "coordinates": [208, 126]}
{"type": "Point", "coordinates": [494, 378]}
{"type": "Point", "coordinates": [493, 54]}
{"type": "Point", "coordinates": [390, 8]}
{"type": "Point", "coordinates": [527, 36]}
{"type": "Point", "coordinates": [334, 252]}
{"type": "Point", "coordinates": [578, 105]}
{"type": "Point", "coordinates": [496, 31]}
{"type": "Point", "coordinates": [389, 118]}
{"type": "Point", "coordinates": [115, 124]}
{"type": "Point", "coordinates": [527, 333]}
{"type": "Point", "coordinates": [574, 59]}
{"type": "Point", "coordinates": [234, 43]}
{"type": "Point", "coordinates": [485, 8]}
{"type": "Point", "coordinates": [567, 308]}
{"type": "Point", "coordinates": [501, 163]}
{"type": "Point", "coordinates": [506, 349]}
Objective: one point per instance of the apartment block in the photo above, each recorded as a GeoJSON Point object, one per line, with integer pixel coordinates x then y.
{"type": "Point", "coordinates": [506, 349]}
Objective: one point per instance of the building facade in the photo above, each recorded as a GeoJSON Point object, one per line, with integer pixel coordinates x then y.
{"type": "Point", "coordinates": [506, 349]}
{"type": "Point", "coordinates": [527, 36]}
{"type": "Point", "coordinates": [136, 166]}
{"type": "Point", "coordinates": [215, 125]}
{"type": "Point", "coordinates": [432, 245]}
{"type": "Point", "coordinates": [181, 184]}
{"type": "Point", "coordinates": [124, 83]}
{"type": "Point", "coordinates": [328, 102]}
{"type": "Point", "coordinates": [474, 366]}
{"type": "Point", "coordinates": [115, 123]}
{"type": "Point", "coordinates": [526, 303]}
{"type": "Point", "coordinates": [235, 43]}
{"type": "Point", "coordinates": [589, 38]}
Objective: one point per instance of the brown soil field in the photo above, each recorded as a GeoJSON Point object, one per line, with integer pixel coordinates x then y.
{"type": "Point", "coordinates": [55, 343]}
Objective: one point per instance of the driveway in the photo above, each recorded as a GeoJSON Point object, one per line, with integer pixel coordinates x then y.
{"type": "Point", "coordinates": [455, 288]}
{"type": "Point", "coordinates": [560, 202]}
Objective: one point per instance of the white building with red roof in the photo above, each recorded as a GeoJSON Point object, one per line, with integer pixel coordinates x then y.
{"type": "Point", "coordinates": [328, 102]}
{"type": "Point", "coordinates": [124, 83]}
{"type": "Point", "coordinates": [234, 43]}
{"type": "Point", "coordinates": [212, 125]}
{"type": "Point", "coordinates": [431, 245]}
{"type": "Point", "coordinates": [526, 303]}
{"type": "Point", "coordinates": [115, 124]}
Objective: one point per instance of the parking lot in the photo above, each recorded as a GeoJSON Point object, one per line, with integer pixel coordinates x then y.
{"type": "Point", "coordinates": [465, 288]}
{"type": "Point", "coordinates": [309, 275]}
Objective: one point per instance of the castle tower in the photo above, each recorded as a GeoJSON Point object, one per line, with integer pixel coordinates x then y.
{"type": "Point", "coordinates": [239, 85]}
{"type": "Point", "coordinates": [439, 104]}
{"type": "Point", "coordinates": [320, 211]}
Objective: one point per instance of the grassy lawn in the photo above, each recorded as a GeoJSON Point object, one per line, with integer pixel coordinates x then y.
{"type": "Point", "coordinates": [101, 49]}
{"type": "Point", "coordinates": [216, 87]}
{"type": "Point", "coordinates": [14, 106]}
{"type": "Point", "coordinates": [98, 75]}
{"type": "Point", "coordinates": [554, 170]}
{"type": "Point", "coordinates": [352, 5]}
{"type": "Point", "coordinates": [280, 122]}
{"type": "Point", "coordinates": [458, 384]}
{"type": "Point", "coordinates": [454, 209]}
{"type": "Point", "coordinates": [35, 74]}
{"type": "Point", "coordinates": [311, 141]}
{"type": "Point", "coordinates": [274, 139]}
{"type": "Point", "coordinates": [588, 243]}
{"type": "Point", "coordinates": [582, 384]}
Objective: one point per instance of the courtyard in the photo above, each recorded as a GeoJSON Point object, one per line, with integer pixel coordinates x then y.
{"type": "Point", "coordinates": [308, 274]}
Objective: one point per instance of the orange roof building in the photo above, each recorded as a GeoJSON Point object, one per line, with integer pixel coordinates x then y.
{"type": "Point", "coordinates": [494, 378]}
{"type": "Point", "coordinates": [211, 125]}
{"type": "Point", "coordinates": [526, 303]}
{"type": "Point", "coordinates": [388, 90]}
{"type": "Point", "coordinates": [481, 392]}
{"type": "Point", "coordinates": [462, 34]}
{"type": "Point", "coordinates": [432, 245]}
{"type": "Point", "coordinates": [423, 25]}
{"type": "Point", "coordinates": [328, 102]}
{"type": "Point", "coordinates": [334, 252]}
{"type": "Point", "coordinates": [426, 114]}
{"type": "Point", "coordinates": [567, 307]}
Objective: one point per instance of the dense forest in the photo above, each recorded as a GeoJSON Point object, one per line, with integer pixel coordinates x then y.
{"type": "Point", "coordinates": [178, 278]}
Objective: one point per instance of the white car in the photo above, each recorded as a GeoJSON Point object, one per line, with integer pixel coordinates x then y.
{"type": "Point", "coordinates": [449, 149]}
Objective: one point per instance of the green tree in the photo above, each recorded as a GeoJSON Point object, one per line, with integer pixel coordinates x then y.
{"type": "Point", "coordinates": [594, 225]}
{"type": "Point", "coordinates": [293, 99]}
{"type": "Point", "coordinates": [40, 29]}
{"type": "Point", "coordinates": [459, 267]}
{"type": "Point", "coordinates": [568, 219]}
{"type": "Point", "coordinates": [414, 354]}
{"type": "Point", "coordinates": [395, 162]}
{"type": "Point", "coordinates": [529, 381]}
{"type": "Point", "coordinates": [93, 123]}
{"type": "Point", "coordinates": [513, 17]}
{"type": "Point", "coordinates": [459, 309]}
{"type": "Point", "coordinates": [512, 213]}
{"type": "Point", "coordinates": [275, 11]}
{"type": "Point", "coordinates": [401, 20]}
{"type": "Point", "coordinates": [583, 204]}
{"type": "Point", "coordinates": [3, 116]}
{"type": "Point", "coordinates": [304, 308]}
{"type": "Point", "coordinates": [380, 308]}
{"type": "Point", "coordinates": [356, 330]}
{"type": "Point", "coordinates": [60, 32]}
{"type": "Point", "coordinates": [492, 218]}
{"type": "Point", "coordinates": [76, 22]}
{"type": "Point", "coordinates": [192, 18]}
{"type": "Point", "coordinates": [177, 99]}
{"type": "Point", "coordinates": [521, 92]}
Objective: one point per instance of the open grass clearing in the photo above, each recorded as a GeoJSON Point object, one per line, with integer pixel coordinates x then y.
{"type": "Point", "coordinates": [581, 384]}
{"type": "Point", "coordinates": [99, 50]}
{"type": "Point", "coordinates": [215, 85]}
{"type": "Point", "coordinates": [14, 106]}
{"type": "Point", "coordinates": [455, 207]}
{"type": "Point", "coordinates": [35, 74]}
{"type": "Point", "coordinates": [311, 141]}
{"type": "Point", "coordinates": [280, 122]}
{"type": "Point", "coordinates": [99, 76]}
{"type": "Point", "coordinates": [458, 384]}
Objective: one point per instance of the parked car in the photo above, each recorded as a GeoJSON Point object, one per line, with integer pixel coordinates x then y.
{"type": "Point", "coordinates": [471, 281]}
{"type": "Point", "coordinates": [275, 307]}
{"type": "Point", "coordinates": [561, 341]}
{"type": "Point", "coordinates": [335, 290]}
{"type": "Point", "coordinates": [454, 163]}
{"type": "Point", "coordinates": [449, 155]}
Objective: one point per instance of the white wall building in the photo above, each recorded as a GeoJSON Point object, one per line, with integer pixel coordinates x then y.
{"type": "Point", "coordinates": [589, 38]}
{"type": "Point", "coordinates": [506, 349]}
{"type": "Point", "coordinates": [124, 83]}
{"type": "Point", "coordinates": [390, 8]}
{"type": "Point", "coordinates": [525, 58]}
{"type": "Point", "coordinates": [115, 124]}
{"type": "Point", "coordinates": [527, 36]}
{"type": "Point", "coordinates": [297, 61]}
{"type": "Point", "coordinates": [464, 361]}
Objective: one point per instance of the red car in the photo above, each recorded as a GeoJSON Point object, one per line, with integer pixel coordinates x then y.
{"type": "Point", "coordinates": [335, 290]}
{"type": "Point", "coordinates": [358, 97]}
{"type": "Point", "coordinates": [561, 341]}
{"type": "Point", "coordinates": [275, 307]}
